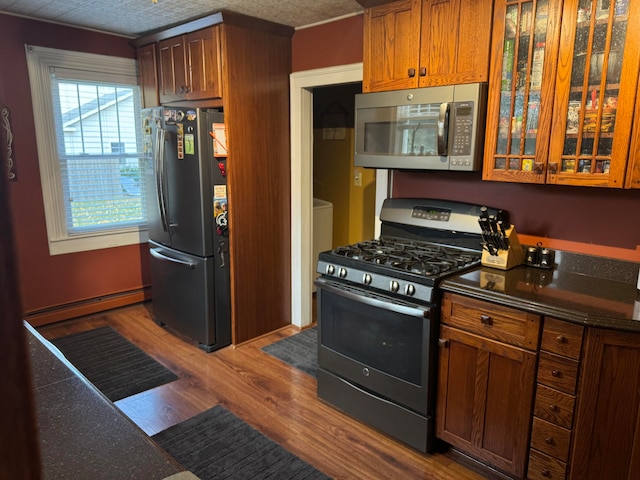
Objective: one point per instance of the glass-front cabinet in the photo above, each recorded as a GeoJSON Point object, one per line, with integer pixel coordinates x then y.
{"type": "Point", "coordinates": [595, 93]}
{"type": "Point", "coordinates": [525, 49]}
{"type": "Point", "coordinates": [561, 107]}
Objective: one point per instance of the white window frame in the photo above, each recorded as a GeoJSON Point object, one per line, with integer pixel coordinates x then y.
{"type": "Point", "coordinates": [40, 62]}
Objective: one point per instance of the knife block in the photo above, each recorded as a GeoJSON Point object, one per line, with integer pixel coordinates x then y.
{"type": "Point", "coordinates": [506, 259]}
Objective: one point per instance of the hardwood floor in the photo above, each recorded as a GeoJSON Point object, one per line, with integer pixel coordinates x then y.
{"type": "Point", "coordinates": [273, 397]}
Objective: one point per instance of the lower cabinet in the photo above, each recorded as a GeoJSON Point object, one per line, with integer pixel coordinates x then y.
{"type": "Point", "coordinates": [606, 440]}
{"type": "Point", "coordinates": [485, 385]}
{"type": "Point", "coordinates": [538, 398]}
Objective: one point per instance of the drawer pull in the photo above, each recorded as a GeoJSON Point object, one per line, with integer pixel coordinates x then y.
{"type": "Point", "coordinates": [561, 339]}
{"type": "Point", "coordinates": [443, 342]}
{"type": "Point", "coordinates": [545, 473]}
{"type": "Point", "coordinates": [556, 373]}
{"type": "Point", "coordinates": [486, 320]}
{"type": "Point", "coordinates": [549, 441]}
{"type": "Point", "coordinates": [553, 408]}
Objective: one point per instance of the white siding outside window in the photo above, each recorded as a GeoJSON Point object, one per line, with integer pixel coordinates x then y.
{"type": "Point", "coordinates": [87, 110]}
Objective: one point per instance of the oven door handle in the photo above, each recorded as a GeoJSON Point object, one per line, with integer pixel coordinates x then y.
{"type": "Point", "coordinates": [401, 308]}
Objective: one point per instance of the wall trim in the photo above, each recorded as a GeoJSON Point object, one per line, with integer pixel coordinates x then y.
{"type": "Point", "coordinates": [58, 313]}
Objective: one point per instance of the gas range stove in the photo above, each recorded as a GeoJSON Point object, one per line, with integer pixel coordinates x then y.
{"type": "Point", "coordinates": [421, 242]}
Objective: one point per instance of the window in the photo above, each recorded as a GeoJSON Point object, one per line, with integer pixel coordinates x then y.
{"type": "Point", "coordinates": [87, 110]}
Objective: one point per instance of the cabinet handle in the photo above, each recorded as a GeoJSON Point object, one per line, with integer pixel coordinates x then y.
{"type": "Point", "coordinates": [538, 168]}
{"type": "Point", "coordinates": [553, 167]}
{"type": "Point", "coordinates": [556, 373]}
{"type": "Point", "coordinates": [423, 71]}
{"type": "Point", "coordinates": [411, 72]}
{"type": "Point", "coordinates": [553, 408]}
{"type": "Point", "coordinates": [545, 473]}
{"type": "Point", "coordinates": [443, 342]}
{"type": "Point", "coordinates": [561, 339]}
{"type": "Point", "coordinates": [486, 320]}
{"type": "Point", "coordinates": [549, 441]}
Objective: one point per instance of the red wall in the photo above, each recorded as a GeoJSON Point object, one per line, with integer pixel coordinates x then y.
{"type": "Point", "coordinates": [47, 281]}
{"type": "Point", "coordinates": [328, 45]}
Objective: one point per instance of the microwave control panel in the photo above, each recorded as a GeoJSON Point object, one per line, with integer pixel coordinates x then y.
{"type": "Point", "coordinates": [462, 129]}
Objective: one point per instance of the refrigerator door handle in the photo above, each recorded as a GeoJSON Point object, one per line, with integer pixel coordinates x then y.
{"type": "Point", "coordinates": [166, 258]}
{"type": "Point", "coordinates": [160, 181]}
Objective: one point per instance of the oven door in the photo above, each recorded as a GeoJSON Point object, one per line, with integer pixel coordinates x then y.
{"type": "Point", "coordinates": [381, 344]}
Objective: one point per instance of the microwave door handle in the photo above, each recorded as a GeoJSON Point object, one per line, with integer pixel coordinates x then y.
{"type": "Point", "coordinates": [374, 302]}
{"type": "Point", "coordinates": [443, 129]}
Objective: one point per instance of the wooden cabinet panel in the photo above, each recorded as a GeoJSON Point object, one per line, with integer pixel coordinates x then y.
{"type": "Point", "coordinates": [148, 74]}
{"type": "Point", "coordinates": [172, 69]}
{"type": "Point", "coordinates": [554, 406]}
{"type": "Point", "coordinates": [391, 46]}
{"type": "Point", "coordinates": [485, 395]}
{"type": "Point", "coordinates": [204, 64]}
{"type": "Point", "coordinates": [505, 324]}
{"type": "Point", "coordinates": [454, 42]}
{"type": "Point", "coordinates": [562, 338]}
{"type": "Point", "coordinates": [550, 439]}
{"type": "Point", "coordinates": [607, 423]}
{"type": "Point", "coordinates": [558, 372]}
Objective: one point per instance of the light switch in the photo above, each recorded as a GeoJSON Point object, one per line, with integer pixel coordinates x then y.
{"type": "Point", "coordinates": [357, 177]}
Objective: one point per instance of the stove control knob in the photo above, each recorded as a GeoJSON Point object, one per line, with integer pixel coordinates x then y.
{"type": "Point", "coordinates": [410, 290]}
{"type": "Point", "coordinates": [394, 287]}
{"type": "Point", "coordinates": [342, 273]}
{"type": "Point", "coordinates": [331, 269]}
{"type": "Point", "coordinates": [366, 279]}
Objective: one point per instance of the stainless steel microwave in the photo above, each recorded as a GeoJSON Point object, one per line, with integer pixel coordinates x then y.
{"type": "Point", "coordinates": [433, 128]}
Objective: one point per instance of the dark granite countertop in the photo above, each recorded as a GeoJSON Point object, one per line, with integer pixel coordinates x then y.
{"type": "Point", "coordinates": [583, 289]}
{"type": "Point", "coordinates": [82, 434]}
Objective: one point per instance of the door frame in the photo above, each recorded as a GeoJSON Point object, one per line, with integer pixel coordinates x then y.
{"type": "Point", "coordinates": [302, 261]}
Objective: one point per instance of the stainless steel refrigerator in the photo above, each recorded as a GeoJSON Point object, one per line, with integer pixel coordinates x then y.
{"type": "Point", "coordinates": [185, 183]}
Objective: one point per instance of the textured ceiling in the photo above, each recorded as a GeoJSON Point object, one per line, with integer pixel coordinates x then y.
{"type": "Point", "coordinates": [137, 17]}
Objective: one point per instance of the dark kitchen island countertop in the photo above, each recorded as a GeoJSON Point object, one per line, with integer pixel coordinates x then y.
{"type": "Point", "coordinates": [82, 434]}
{"type": "Point", "coordinates": [583, 289]}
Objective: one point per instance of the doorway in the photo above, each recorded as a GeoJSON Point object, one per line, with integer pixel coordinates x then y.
{"type": "Point", "coordinates": [302, 262]}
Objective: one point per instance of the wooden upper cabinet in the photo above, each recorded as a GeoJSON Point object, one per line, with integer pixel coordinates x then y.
{"type": "Point", "coordinates": [420, 43]}
{"type": "Point", "coordinates": [391, 43]}
{"type": "Point", "coordinates": [148, 74]}
{"type": "Point", "coordinates": [595, 93]}
{"type": "Point", "coordinates": [190, 66]}
{"type": "Point", "coordinates": [524, 53]}
{"type": "Point", "coordinates": [204, 64]}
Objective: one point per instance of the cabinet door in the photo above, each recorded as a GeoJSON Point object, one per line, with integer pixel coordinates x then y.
{"type": "Point", "coordinates": [595, 92]}
{"type": "Point", "coordinates": [391, 43]}
{"type": "Point", "coordinates": [455, 41]}
{"type": "Point", "coordinates": [485, 397]}
{"type": "Point", "coordinates": [148, 74]}
{"type": "Point", "coordinates": [520, 106]}
{"type": "Point", "coordinates": [607, 429]}
{"type": "Point", "coordinates": [204, 64]}
{"type": "Point", "coordinates": [172, 69]}
{"type": "Point", "coordinates": [633, 169]}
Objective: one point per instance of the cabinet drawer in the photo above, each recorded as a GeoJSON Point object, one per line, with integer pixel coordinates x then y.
{"type": "Point", "coordinates": [558, 372]}
{"type": "Point", "coordinates": [554, 406]}
{"type": "Point", "coordinates": [544, 467]}
{"type": "Point", "coordinates": [550, 439]}
{"type": "Point", "coordinates": [562, 338]}
{"type": "Point", "coordinates": [504, 324]}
